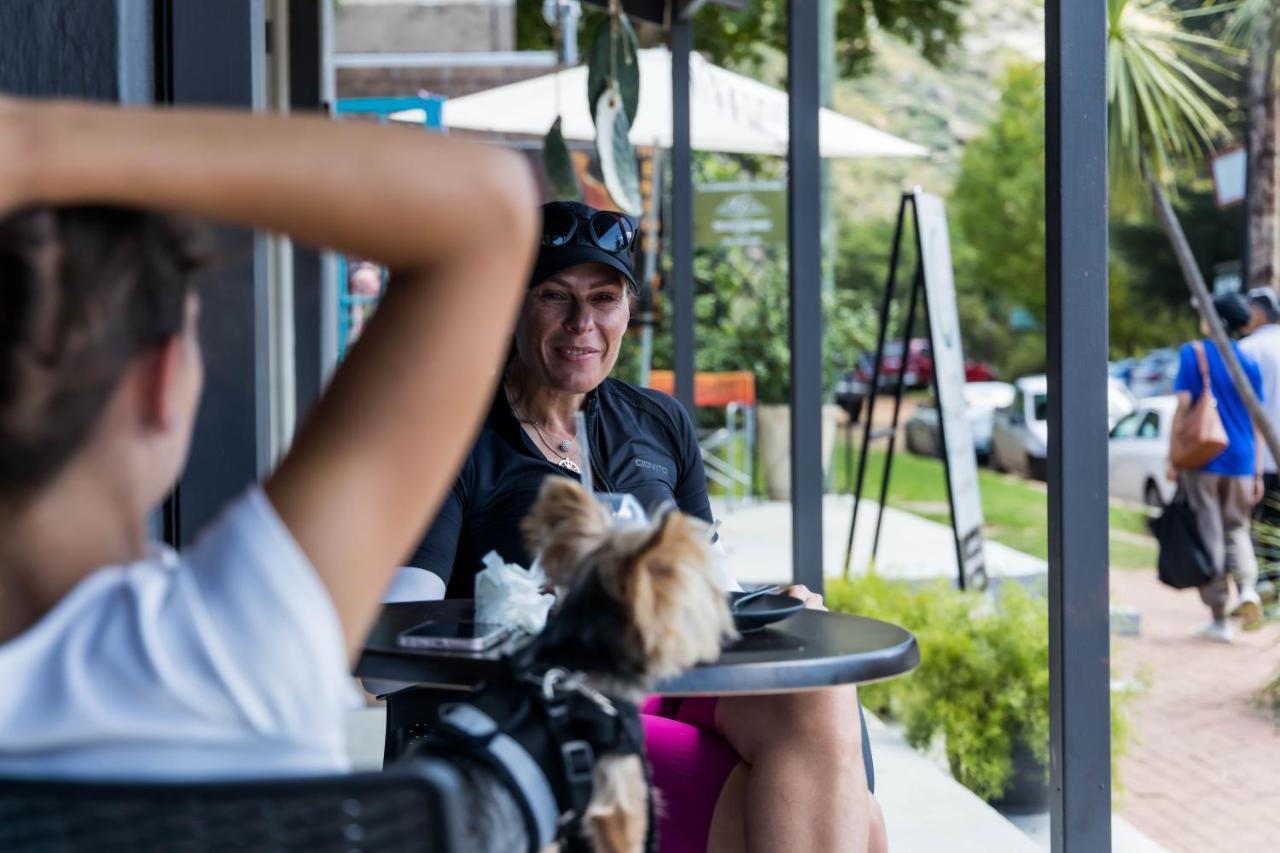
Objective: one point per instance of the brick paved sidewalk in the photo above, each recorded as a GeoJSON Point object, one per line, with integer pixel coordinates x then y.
{"type": "Point", "coordinates": [1203, 768]}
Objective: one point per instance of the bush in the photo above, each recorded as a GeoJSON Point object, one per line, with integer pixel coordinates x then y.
{"type": "Point", "coordinates": [983, 679]}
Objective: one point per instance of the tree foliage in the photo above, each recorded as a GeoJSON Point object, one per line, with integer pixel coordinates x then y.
{"type": "Point", "coordinates": [997, 211]}
{"type": "Point", "coordinates": [1162, 108]}
{"type": "Point", "coordinates": [733, 37]}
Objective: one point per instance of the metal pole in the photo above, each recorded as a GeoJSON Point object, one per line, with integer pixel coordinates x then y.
{"type": "Point", "coordinates": [650, 268]}
{"type": "Point", "coordinates": [681, 214]}
{"type": "Point", "coordinates": [1076, 291]}
{"type": "Point", "coordinates": [804, 244]}
{"type": "Point", "coordinates": [916, 285]}
{"type": "Point", "coordinates": [890, 285]}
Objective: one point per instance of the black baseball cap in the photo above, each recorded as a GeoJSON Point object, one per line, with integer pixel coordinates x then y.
{"type": "Point", "coordinates": [1233, 309]}
{"type": "Point", "coordinates": [574, 233]}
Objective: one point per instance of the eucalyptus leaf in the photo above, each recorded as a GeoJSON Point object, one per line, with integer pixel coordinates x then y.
{"type": "Point", "coordinates": [618, 163]}
{"type": "Point", "coordinates": [559, 166]}
{"type": "Point", "coordinates": [607, 52]}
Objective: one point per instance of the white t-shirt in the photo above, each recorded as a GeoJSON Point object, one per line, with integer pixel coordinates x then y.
{"type": "Point", "coordinates": [228, 660]}
{"type": "Point", "coordinates": [1264, 346]}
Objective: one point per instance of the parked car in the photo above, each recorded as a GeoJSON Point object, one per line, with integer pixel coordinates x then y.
{"type": "Point", "coordinates": [1123, 369]}
{"type": "Point", "coordinates": [1138, 450]}
{"type": "Point", "coordinates": [1154, 374]}
{"type": "Point", "coordinates": [981, 399]}
{"type": "Point", "coordinates": [1020, 431]}
{"type": "Point", "coordinates": [918, 370]}
{"type": "Point", "coordinates": [918, 366]}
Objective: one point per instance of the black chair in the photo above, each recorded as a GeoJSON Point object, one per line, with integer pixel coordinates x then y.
{"type": "Point", "coordinates": [414, 806]}
{"type": "Point", "coordinates": [410, 714]}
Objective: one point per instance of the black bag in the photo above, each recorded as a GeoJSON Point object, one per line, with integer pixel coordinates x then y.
{"type": "Point", "coordinates": [1184, 560]}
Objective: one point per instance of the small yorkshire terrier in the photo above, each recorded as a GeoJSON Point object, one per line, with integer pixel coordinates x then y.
{"type": "Point", "coordinates": [639, 603]}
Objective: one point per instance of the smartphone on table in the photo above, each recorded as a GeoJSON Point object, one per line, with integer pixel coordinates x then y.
{"type": "Point", "coordinates": [451, 635]}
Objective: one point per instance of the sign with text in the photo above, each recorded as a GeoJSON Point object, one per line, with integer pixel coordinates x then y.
{"type": "Point", "coordinates": [934, 244]}
{"type": "Point", "coordinates": [752, 213]}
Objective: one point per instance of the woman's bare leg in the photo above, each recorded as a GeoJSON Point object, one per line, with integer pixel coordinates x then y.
{"type": "Point", "coordinates": [802, 785]}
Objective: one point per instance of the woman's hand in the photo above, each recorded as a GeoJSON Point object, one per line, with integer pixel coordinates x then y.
{"type": "Point", "coordinates": [812, 600]}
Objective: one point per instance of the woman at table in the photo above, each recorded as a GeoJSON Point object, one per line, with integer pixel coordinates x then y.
{"type": "Point", "coordinates": [781, 772]}
{"type": "Point", "coordinates": [121, 657]}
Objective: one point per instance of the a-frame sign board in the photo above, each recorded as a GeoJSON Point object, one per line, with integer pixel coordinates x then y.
{"type": "Point", "coordinates": [933, 276]}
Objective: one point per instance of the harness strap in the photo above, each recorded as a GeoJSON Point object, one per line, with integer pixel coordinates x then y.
{"type": "Point", "coordinates": [510, 760]}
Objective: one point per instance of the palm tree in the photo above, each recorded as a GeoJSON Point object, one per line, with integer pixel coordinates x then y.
{"type": "Point", "coordinates": [1162, 111]}
{"type": "Point", "coordinates": [1255, 26]}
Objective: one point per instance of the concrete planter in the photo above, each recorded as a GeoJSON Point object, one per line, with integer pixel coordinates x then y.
{"type": "Point", "coordinates": [774, 430]}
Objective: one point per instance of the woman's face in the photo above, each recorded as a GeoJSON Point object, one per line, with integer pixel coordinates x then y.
{"type": "Point", "coordinates": [571, 326]}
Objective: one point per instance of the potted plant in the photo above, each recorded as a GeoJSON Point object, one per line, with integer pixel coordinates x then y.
{"type": "Point", "coordinates": [982, 687]}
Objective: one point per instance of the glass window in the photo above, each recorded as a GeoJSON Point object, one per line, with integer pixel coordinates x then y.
{"type": "Point", "coordinates": [1127, 428]}
{"type": "Point", "coordinates": [1150, 426]}
{"type": "Point", "coordinates": [1041, 407]}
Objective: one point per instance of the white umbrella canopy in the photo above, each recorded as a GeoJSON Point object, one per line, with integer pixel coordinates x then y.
{"type": "Point", "coordinates": [728, 112]}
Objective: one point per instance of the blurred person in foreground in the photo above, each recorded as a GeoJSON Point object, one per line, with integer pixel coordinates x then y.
{"type": "Point", "coordinates": [121, 657]}
{"type": "Point", "coordinates": [789, 771]}
{"type": "Point", "coordinates": [1224, 492]}
{"type": "Point", "coordinates": [1262, 344]}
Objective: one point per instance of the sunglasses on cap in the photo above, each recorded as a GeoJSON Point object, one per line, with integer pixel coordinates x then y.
{"type": "Point", "coordinates": [611, 231]}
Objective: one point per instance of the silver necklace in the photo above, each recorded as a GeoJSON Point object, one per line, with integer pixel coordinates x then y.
{"type": "Point", "coordinates": [562, 450]}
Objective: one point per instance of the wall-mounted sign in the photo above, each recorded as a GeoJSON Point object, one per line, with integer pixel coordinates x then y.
{"type": "Point", "coordinates": [751, 213]}
{"type": "Point", "coordinates": [1230, 178]}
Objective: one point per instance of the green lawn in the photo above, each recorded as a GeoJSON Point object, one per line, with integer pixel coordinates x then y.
{"type": "Point", "coordinates": [1015, 511]}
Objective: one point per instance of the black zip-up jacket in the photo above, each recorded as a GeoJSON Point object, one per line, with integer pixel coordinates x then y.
{"type": "Point", "coordinates": [642, 443]}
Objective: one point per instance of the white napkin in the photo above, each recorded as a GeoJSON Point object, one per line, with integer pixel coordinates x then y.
{"type": "Point", "coordinates": [509, 594]}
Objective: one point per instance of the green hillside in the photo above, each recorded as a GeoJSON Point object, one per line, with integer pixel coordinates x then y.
{"type": "Point", "coordinates": [940, 108]}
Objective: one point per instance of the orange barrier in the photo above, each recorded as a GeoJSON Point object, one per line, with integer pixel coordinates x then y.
{"type": "Point", "coordinates": [711, 389]}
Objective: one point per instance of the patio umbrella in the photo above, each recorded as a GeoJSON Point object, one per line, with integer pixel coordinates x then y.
{"type": "Point", "coordinates": [729, 112]}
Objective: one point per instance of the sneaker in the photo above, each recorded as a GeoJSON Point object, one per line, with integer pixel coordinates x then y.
{"type": "Point", "coordinates": [1218, 632]}
{"type": "Point", "coordinates": [1250, 610]}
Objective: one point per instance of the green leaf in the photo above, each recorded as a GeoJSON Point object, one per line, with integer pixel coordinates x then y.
{"type": "Point", "coordinates": [558, 165]}
{"type": "Point", "coordinates": [618, 164]}
{"type": "Point", "coordinates": [614, 56]}
{"type": "Point", "coordinates": [1162, 108]}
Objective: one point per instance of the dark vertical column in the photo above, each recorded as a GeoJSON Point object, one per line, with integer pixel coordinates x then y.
{"type": "Point", "coordinates": [804, 267]}
{"type": "Point", "coordinates": [212, 54]}
{"type": "Point", "coordinates": [306, 67]}
{"type": "Point", "coordinates": [1076, 220]}
{"type": "Point", "coordinates": [681, 295]}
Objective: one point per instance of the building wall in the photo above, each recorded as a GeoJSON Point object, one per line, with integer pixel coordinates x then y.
{"type": "Point", "coordinates": [424, 26]}
{"type": "Point", "coordinates": [451, 82]}
{"type": "Point", "coordinates": [59, 48]}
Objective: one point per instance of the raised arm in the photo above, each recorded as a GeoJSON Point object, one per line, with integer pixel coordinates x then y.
{"type": "Point", "coordinates": [456, 224]}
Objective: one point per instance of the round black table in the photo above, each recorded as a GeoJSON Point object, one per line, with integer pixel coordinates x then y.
{"type": "Point", "coordinates": [807, 651]}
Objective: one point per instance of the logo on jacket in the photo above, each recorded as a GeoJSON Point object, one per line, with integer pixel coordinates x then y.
{"type": "Point", "coordinates": [653, 466]}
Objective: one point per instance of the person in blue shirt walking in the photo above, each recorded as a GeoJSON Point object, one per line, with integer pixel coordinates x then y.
{"type": "Point", "coordinates": [1224, 491]}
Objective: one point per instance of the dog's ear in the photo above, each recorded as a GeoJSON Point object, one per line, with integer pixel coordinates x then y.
{"type": "Point", "coordinates": [565, 524]}
{"type": "Point", "coordinates": [679, 615]}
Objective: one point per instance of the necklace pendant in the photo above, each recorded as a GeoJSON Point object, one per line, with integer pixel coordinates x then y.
{"type": "Point", "coordinates": [570, 465]}
{"type": "Point", "coordinates": [565, 445]}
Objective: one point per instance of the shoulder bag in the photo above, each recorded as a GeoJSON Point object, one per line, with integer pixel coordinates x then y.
{"type": "Point", "coordinates": [1198, 436]}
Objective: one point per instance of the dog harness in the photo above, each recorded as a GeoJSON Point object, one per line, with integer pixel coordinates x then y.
{"type": "Point", "coordinates": [540, 734]}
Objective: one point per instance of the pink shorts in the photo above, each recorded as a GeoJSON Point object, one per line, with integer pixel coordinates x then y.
{"type": "Point", "coordinates": [691, 764]}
